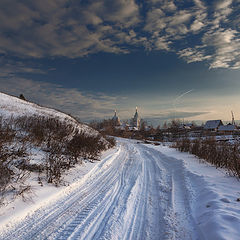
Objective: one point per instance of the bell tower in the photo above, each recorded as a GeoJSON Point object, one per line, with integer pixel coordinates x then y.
{"type": "Point", "coordinates": [136, 120]}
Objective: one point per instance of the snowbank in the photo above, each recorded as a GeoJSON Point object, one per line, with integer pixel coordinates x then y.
{"type": "Point", "coordinates": [215, 203]}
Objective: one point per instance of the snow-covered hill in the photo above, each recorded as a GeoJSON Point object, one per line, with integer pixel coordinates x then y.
{"type": "Point", "coordinates": [11, 106]}
{"type": "Point", "coordinates": [39, 147]}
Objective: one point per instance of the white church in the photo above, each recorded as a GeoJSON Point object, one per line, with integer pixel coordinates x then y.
{"type": "Point", "coordinates": [135, 122]}
{"type": "Point", "coordinates": [116, 119]}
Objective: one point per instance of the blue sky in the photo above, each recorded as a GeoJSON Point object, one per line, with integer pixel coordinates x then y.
{"type": "Point", "coordinates": [88, 58]}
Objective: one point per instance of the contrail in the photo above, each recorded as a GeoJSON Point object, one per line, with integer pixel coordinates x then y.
{"type": "Point", "coordinates": [178, 98]}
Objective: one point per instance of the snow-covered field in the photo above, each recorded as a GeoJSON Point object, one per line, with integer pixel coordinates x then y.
{"type": "Point", "coordinates": [137, 191]}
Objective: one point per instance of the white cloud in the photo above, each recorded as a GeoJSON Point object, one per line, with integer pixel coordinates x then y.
{"type": "Point", "coordinates": [221, 12]}
{"type": "Point", "coordinates": [220, 40]}
{"type": "Point", "coordinates": [180, 17]}
{"type": "Point", "coordinates": [10, 68]}
{"type": "Point", "coordinates": [193, 55]}
{"type": "Point", "coordinates": [226, 45]}
{"type": "Point", "coordinates": [61, 28]}
{"type": "Point", "coordinates": [174, 26]}
{"type": "Point", "coordinates": [223, 4]}
{"type": "Point", "coordinates": [197, 25]}
{"type": "Point", "coordinates": [166, 5]}
{"type": "Point", "coordinates": [220, 37]}
{"type": "Point", "coordinates": [162, 44]}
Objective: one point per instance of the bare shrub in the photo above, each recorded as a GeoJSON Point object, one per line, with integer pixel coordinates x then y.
{"type": "Point", "coordinates": [25, 192]}
{"type": "Point", "coordinates": [84, 146]}
{"type": "Point", "coordinates": [195, 147]}
{"type": "Point", "coordinates": [54, 163]}
{"type": "Point", "coordinates": [221, 154]}
{"type": "Point", "coordinates": [111, 140]}
{"type": "Point", "coordinates": [63, 145]}
{"type": "Point", "coordinates": [5, 176]}
{"type": "Point", "coordinates": [41, 129]}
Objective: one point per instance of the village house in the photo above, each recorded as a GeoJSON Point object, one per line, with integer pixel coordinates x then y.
{"type": "Point", "coordinates": [227, 129]}
{"type": "Point", "coordinates": [213, 125]}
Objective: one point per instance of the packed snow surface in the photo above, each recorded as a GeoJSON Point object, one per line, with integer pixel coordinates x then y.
{"type": "Point", "coordinates": [138, 191]}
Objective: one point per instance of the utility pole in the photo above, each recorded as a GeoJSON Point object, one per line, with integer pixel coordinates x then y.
{"type": "Point", "coordinates": [233, 121]}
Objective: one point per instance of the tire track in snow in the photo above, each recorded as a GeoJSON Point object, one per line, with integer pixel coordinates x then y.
{"type": "Point", "coordinates": [107, 224]}
{"type": "Point", "coordinates": [138, 193]}
{"type": "Point", "coordinates": [57, 213]}
{"type": "Point", "coordinates": [181, 223]}
{"type": "Point", "coordinates": [96, 192]}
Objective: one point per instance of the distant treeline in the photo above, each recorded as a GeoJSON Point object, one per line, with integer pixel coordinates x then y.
{"type": "Point", "coordinates": [167, 132]}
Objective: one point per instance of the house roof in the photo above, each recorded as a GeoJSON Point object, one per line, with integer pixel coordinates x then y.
{"type": "Point", "coordinates": [185, 126]}
{"type": "Point", "coordinates": [228, 127]}
{"type": "Point", "coordinates": [213, 124]}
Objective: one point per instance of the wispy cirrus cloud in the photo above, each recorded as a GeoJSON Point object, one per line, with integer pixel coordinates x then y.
{"type": "Point", "coordinates": [196, 54]}
{"type": "Point", "coordinates": [83, 105]}
{"type": "Point", "coordinates": [11, 68]}
{"type": "Point", "coordinates": [162, 117]}
{"type": "Point", "coordinates": [220, 39]}
{"type": "Point", "coordinates": [166, 19]}
{"type": "Point", "coordinates": [198, 30]}
{"type": "Point", "coordinates": [64, 28]}
{"type": "Point", "coordinates": [226, 44]}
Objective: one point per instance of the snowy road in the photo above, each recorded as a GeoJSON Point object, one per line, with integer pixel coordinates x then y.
{"type": "Point", "coordinates": [135, 193]}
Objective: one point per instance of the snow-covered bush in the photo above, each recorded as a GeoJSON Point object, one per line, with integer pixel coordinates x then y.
{"type": "Point", "coordinates": [12, 153]}
{"type": "Point", "coordinates": [60, 143]}
{"type": "Point", "coordinates": [221, 154]}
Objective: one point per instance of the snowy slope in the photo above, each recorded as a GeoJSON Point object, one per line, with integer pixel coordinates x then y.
{"type": "Point", "coordinates": [13, 106]}
{"type": "Point", "coordinates": [139, 191]}
{"type": "Point", "coordinates": [34, 156]}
